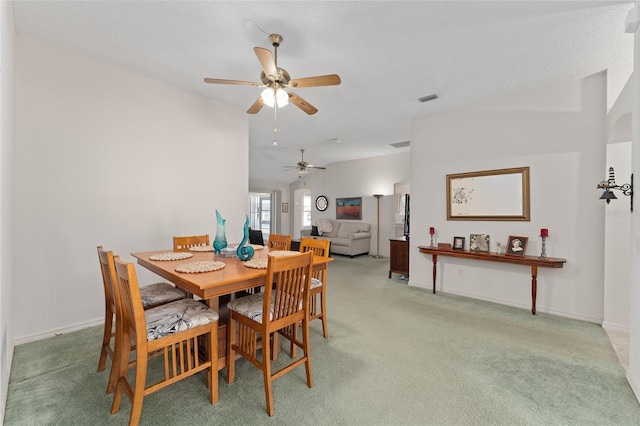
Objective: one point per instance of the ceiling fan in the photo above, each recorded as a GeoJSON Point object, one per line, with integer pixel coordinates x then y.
{"type": "Point", "coordinates": [303, 167]}
{"type": "Point", "coordinates": [275, 80]}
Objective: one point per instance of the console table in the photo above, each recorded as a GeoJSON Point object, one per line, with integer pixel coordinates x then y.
{"type": "Point", "coordinates": [532, 261]}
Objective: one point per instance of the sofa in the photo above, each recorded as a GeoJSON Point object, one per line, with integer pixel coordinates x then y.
{"type": "Point", "coordinates": [347, 237]}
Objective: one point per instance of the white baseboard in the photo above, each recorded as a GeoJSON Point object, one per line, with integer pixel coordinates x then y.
{"type": "Point", "coordinates": [524, 306]}
{"type": "Point", "coordinates": [5, 391]}
{"type": "Point", "coordinates": [609, 326]}
{"type": "Point", "coordinates": [634, 386]}
{"type": "Point", "coordinates": [56, 332]}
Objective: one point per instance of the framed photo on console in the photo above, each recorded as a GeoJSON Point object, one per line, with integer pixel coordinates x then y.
{"type": "Point", "coordinates": [517, 245]}
{"type": "Point", "coordinates": [458, 243]}
{"type": "Point", "coordinates": [479, 242]}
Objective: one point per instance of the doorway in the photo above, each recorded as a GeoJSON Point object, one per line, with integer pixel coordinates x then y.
{"type": "Point", "coordinates": [260, 212]}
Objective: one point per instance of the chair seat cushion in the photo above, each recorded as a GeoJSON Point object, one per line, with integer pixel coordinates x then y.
{"type": "Point", "coordinates": [315, 283]}
{"type": "Point", "coordinates": [177, 316]}
{"type": "Point", "coordinates": [159, 293]}
{"type": "Point", "coordinates": [250, 306]}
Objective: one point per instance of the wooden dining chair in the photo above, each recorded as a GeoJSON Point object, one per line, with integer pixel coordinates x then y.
{"type": "Point", "coordinates": [184, 243]}
{"type": "Point", "coordinates": [171, 330]}
{"type": "Point", "coordinates": [152, 295]}
{"type": "Point", "coordinates": [318, 281]}
{"type": "Point", "coordinates": [278, 309]}
{"type": "Point", "coordinates": [279, 242]}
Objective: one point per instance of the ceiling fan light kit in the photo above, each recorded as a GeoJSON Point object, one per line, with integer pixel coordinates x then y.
{"type": "Point", "coordinates": [273, 98]}
{"type": "Point", "coordinates": [275, 80]}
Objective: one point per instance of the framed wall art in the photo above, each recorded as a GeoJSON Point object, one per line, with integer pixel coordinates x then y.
{"type": "Point", "coordinates": [285, 207]}
{"type": "Point", "coordinates": [489, 195]}
{"type": "Point", "coordinates": [349, 208]}
{"type": "Point", "coordinates": [517, 245]}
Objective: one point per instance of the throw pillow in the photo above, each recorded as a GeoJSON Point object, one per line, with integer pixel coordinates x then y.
{"type": "Point", "coordinates": [314, 231]}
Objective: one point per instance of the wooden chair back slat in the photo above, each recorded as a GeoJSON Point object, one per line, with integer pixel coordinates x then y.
{"type": "Point", "coordinates": [279, 242]}
{"type": "Point", "coordinates": [184, 243]}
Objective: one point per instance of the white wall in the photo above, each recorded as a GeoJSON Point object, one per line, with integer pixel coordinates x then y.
{"type": "Point", "coordinates": [617, 241]}
{"type": "Point", "coordinates": [560, 133]}
{"type": "Point", "coordinates": [7, 32]}
{"type": "Point", "coordinates": [361, 178]}
{"type": "Point", "coordinates": [633, 373]}
{"type": "Point", "coordinates": [108, 157]}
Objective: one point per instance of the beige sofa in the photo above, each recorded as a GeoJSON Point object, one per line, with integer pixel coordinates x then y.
{"type": "Point", "coordinates": [347, 237]}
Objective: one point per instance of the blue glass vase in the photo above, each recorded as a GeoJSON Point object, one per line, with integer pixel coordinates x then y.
{"type": "Point", "coordinates": [243, 251]}
{"type": "Point", "coordinates": [220, 241]}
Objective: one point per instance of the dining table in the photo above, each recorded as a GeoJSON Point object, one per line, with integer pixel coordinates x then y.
{"type": "Point", "coordinates": [231, 275]}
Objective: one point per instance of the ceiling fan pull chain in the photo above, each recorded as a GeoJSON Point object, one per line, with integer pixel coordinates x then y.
{"type": "Point", "coordinates": [275, 127]}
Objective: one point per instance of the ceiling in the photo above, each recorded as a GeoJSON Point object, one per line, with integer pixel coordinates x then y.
{"type": "Point", "coordinates": [388, 54]}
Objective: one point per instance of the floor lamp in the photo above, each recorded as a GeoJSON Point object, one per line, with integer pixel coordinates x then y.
{"type": "Point", "coordinates": [377, 256]}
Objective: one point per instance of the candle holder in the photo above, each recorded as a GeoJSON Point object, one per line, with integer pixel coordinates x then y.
{"type": "Point", "coordinates": [543, 255]}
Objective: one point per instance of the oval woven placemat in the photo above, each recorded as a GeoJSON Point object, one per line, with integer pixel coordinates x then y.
{"type": "Point", "coordinates": [279, 253]}
{"type": "Point", "coordinates": [201, 248]}
{"type": "Point", "coordinates": [257, 263]}
{"type": "Point", "coordinates": [181, 255]}
{"type": "Point", "coordinates": [202, 266]}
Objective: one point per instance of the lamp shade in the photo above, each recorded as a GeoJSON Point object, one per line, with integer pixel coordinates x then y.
{"type": "Point", "coordinates": [268, 96]}
{"type": "Point", "coordinates": [282, 97]}
{"type": "Point", "coordinates": [277, 97]}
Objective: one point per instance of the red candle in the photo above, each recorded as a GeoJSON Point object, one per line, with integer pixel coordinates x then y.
{"type": "Point", "coordinates": [544, 232]}
{"type": "Point", "coordinates": [432, 230]}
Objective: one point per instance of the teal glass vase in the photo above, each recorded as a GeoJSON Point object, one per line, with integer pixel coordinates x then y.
{"type": "Point", "coordinates": [245, 252]}
{"type": "Point", "coordinates": [220, 241]}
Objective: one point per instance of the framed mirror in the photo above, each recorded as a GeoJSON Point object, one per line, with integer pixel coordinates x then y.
{"type": "Point", "coordinates": [489, 195]}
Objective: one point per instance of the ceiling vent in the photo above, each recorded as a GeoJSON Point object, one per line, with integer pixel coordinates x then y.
{"type": "Point", "coordinates": [401, 144]}
{"type": "Point", "coordinates": [428, 98]}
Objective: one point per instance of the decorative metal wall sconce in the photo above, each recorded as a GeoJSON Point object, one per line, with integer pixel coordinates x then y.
{"type": "Point", "coordinates": [609, 184]}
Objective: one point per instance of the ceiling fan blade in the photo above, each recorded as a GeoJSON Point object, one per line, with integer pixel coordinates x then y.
{"type": "Point", "coordinates": [320, 80]}
{"type": "Point", "coordinates": [256, 107]}
{"type": "Point", "coordinates": [302, 104]}
{"type": "Point", "coordinates": [266, 60]}
{"type": "Point", "coordinates": [310, 166]}
{"type": "Point", "coordinates": [234, 82]}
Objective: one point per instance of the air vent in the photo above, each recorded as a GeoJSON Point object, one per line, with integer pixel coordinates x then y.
{"type": "Point", "coordinates": [401, 144]}
{"type": "Point", "coordinates": [428, 98]}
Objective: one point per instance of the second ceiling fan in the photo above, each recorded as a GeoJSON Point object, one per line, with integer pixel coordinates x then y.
{"type": "Point", "coordinates": [303, 167]}
{"type": "Point", "coordinates": [275, 80]}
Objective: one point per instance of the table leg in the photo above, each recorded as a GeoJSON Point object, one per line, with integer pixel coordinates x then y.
{"type": "Point", "coordinates": [435, 262]}
{"type": "Point", "coordinates": [214, 303]}
{"type": "Point", "coordinates": [534, 287]}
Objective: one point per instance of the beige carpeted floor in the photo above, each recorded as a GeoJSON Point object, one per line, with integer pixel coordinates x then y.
{"type": "Point", "coordinates": [396, 355]}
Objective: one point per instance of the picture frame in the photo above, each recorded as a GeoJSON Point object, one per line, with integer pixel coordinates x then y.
{"type": "Point", "coordinates": [349, 208]}
{"type": "Point", "coordinates": [479, 242]}
{"type": "Point", "coordinates": [516, 246]}
{"type": "Point", "coordinates": [285, 207]}
{"type": "Point", "coordinates": [458, 243]}
{"type": "Point", "coordinates": [501, 194]}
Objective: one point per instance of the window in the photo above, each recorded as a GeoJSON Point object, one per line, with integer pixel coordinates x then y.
{"type": "Point", "coordinates": [260, 212]}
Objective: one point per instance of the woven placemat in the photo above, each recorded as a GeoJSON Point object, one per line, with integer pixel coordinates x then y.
{"type": "Point", "coordinates": [257, 263]}
{"type": "Point", "coordinates": [279, 253]}
{"type": "Point", "coordinates": [171, 256]}
{"type": "Point", "coordinates": [202, 266]}
{"type": "Point", "coordinates": [201, 248]}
